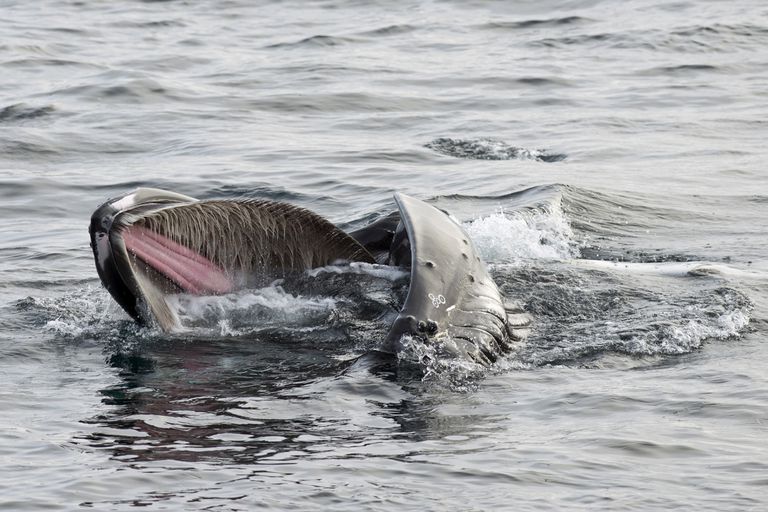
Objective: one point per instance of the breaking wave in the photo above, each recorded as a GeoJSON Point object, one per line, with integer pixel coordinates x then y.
{"type": "Point", "coordinates": [508, 236]}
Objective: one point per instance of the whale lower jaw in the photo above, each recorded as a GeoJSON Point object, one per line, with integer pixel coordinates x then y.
{"type": "Point", "coordinates": [152, 243]}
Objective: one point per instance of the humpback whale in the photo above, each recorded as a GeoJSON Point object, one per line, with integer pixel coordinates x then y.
{"type": "Point", "coordinates": [151, 243]}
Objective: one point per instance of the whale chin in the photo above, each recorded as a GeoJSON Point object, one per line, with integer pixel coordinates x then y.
{"type": "Point", "coordinates": [151, 243]}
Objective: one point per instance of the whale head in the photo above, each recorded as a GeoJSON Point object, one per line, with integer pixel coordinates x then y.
{"type": "Point", "coordinates": [151, 243]}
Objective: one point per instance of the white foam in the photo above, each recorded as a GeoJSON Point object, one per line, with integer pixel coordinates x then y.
{"type": "Point", "coordinates": [520, 235]}
{"type": "Point", "coordinates": [372, 269]}
{"type": "Point", "coordinates": [455, 373]}
{"type": "Point", "coordinates": [690, 336]}
{"type": "Point", "coordinates": [249, 308]}
{"type": "Point", "coordinates": [81, 312]}
{"type": "Point", "coordinates": [64, 328]}
{"type": "Point", "coordinates": [271, 297]}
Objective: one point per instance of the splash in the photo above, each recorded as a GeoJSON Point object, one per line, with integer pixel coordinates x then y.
{"type": "Point", "coordinates": [701, 323]}
{"type": "Point", "coordinates": [238, 313]}
{"type": "Point", "coordinates": [75, 314]}
{"type": "Point", "coordinates": [85, 313]}
{"type": "Point", "coordinates": [426, 361]}
{"type": "Point", "coordinates": [543, 233]}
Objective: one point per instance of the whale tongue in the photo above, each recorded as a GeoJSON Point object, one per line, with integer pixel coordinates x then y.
{"type": "Point", "coordinates": [189, 270]}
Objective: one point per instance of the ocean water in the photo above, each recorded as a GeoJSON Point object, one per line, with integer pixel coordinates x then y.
{"type": "Point", "coordinates": [607, 158]}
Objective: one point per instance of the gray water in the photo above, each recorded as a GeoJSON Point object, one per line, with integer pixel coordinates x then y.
{"type": "Point", "coordinates": [607, 158]}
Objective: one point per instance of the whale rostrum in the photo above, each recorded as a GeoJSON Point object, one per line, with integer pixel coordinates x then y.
{"type": "Point", "coordinates": [151, 243]}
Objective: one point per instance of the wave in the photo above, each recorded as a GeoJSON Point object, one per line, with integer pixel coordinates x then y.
{"type": "Point", "coordinates": [140, 90]}
{"type": "Point", "coordinates": [31, 147]}
{"type": "Point", "coordinates": [156, 24]}
{"type": "Point", "coordinates": [390, 30]}
{"type": "Point", "coordinates": [23, 112]}
{"type": "Point", "coordinates": [686, 69]}
{"type": "Point", "coordinates": [318, 41]}
{"type": "Point", "coordinates": [535, 23]}
{"type": "Point", "coordinates": [341, 102]}
{"type": "Point", "coordinates": [37, 62]}
{"type": "Point", "coordinates": [716, 38]}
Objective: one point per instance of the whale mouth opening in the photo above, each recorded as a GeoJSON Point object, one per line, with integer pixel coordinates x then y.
{"type": "Point", "coordinates": [154, 266]}
{"type": "Point", "coordinates": [151, 244]}
{"type": "Point", "coordinates": [190, 271]}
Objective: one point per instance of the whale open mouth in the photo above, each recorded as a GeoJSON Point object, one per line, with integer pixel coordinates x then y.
{"type": "Point", "coordinates": [190, 271]}
{"type": "Point", "coordinates": [152, 243]}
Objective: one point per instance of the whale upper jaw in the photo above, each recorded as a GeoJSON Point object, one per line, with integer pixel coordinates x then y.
{"type": "Point", "coordinates": [142, 255]}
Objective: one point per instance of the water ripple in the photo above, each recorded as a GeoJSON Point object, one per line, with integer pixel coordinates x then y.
{"type": "Point", "coordinates": [22, 112]}
{"type": "Point", "coordinates": [490, 149]}
{"type": "Point", "coordinates": [535, 23]}
{"type": "Point", "coordinates": [391, 30]}
{"type": "Point", "coordinates": [318, 41]}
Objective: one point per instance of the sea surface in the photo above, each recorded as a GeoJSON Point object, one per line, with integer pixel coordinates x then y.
{"type": "Point", "coordinates": [608, 158]}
